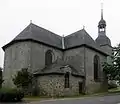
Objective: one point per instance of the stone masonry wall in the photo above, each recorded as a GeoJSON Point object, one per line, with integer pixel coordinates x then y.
{"type": "Point", "coordinates": [27, 54]}
{"type": "Point", "coordinates": [91, 85]}
{"type": "Point", "coordinates": [108, 49]}
{"type": "Point", "coordinates": [53, 85]}
{"type": "Point", "coordinates": [17, 56]}
{"type": "Point", "coordinates": [38, 55]}
{"type": "Point", "coordinates": [75, 57]}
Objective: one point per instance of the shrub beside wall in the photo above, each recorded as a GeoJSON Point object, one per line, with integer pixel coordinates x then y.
{"type": "Point", "coordinates": [10, 95]}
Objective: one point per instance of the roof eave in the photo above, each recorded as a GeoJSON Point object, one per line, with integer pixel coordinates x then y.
{"type": "Point", "coordinates": [56, 73]}
{"type": "Point", "coordinates": [87, 47]}
{"type": "Point", "coordinates": [15, 41]}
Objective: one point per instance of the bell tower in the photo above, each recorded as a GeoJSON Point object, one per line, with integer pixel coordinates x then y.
{"type": "Point", "coordinates": [102, 40]}
{"type": "Point", "coordinates": [102, 24]}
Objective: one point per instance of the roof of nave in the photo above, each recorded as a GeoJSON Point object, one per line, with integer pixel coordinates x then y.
{"type": "Point", "coordinates": [41, 35]}
{"type": "Point", "coordinates": [80, 38]}
{"type": "Point", "coordinates": [36, 33]}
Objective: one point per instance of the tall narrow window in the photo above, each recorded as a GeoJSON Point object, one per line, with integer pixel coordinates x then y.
{"type": "Point", "coordinates": [96, 67]}
{"type": "Point", "coordinates": [48, 58]}
{"type": "Point", "coordinates": [67, 80]}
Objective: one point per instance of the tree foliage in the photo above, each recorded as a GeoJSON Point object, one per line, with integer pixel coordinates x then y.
{"type": "Point", "coordinates": [1, 78]}
{"type": "Point", "coordinates": [23, 78]}
{"type": "Point", "coordinates": [113, 70]}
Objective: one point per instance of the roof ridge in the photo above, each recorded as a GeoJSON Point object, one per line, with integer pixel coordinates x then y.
{"type": "Point", "coordinates": [89, 35]}
{"type": "Point", "coordinates": [27, 29]}
{"type": "Point", "coordinates": [73, 33]}
{"type": "Point", "coordinates": [84, 38]}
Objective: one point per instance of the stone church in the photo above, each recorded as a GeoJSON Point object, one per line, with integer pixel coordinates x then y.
{"type": "Point", "coordinates": [62, 65]}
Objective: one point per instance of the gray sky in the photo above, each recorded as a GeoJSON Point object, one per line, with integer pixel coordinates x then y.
{"type": "Point", "coordinates": [58, 16]}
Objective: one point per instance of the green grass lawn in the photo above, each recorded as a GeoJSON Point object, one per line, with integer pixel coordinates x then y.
{"type": "Point", "coordinates": [114, 90]}
{"type": "Point", "coordinates": [35, 98]}
{"type": "Point", "coordinates": [31, 98]}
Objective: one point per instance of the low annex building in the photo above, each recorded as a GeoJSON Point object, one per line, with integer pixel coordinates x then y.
{"type": "Point", "coordinates": [67, 65]}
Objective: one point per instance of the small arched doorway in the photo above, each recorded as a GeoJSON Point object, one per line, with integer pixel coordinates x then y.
{"type": "Point", "coordinates": [80, 85]}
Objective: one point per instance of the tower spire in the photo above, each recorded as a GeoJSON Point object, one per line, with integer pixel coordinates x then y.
{"type": "Point", "coordinates": [102, 39]}
{"type": "Point", "coordinates": [101, 11]}
{"type": "Point", "coordinates": [102, 23]}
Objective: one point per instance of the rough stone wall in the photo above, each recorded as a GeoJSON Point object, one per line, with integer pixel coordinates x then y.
{"type": "Point", "coordinates": [53, 85]}
{"type": "Point", "coordinates": [38, 55]}
{"type": "Point", "coordinates": [108, 49]}
{"type": "Point", "coordinates": [27, 54]}
{"type": "Point", "coordinates": [75, 57]}
{"type": "Point", "coordinates": [17, 56]}
{"type": "Point", "coordinates": [31, 55]}
{"type": "Point", "coordinates": [91, 85]}
{"type": "Point", "coordinates": [82, 58]}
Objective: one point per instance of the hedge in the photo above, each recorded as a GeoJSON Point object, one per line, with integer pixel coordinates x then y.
{"type": "Point", "coordinates": [10, 95]}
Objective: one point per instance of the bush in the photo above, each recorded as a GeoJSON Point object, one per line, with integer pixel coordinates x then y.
{"type": "Point", "coordinates": [112, 84]}
{"type": "Point", "coordinates": [23, 78]}
{"type": "Point", "coordinates": [10, 95]}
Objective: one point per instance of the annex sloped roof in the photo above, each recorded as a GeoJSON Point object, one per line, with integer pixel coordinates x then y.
{"type": "Point", "coordinates": [58, 67]}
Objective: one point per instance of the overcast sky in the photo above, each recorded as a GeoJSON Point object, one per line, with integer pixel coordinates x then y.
{"type": "Point", "coordinates": [58, 16]}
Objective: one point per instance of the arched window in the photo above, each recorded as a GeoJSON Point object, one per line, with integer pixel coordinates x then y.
{"type": "Point", "coordinates": [48, 58]}
{"type": "Point", "coordinates": [67, 84]}
{"type": "Point", "coordinates": [96, 67]}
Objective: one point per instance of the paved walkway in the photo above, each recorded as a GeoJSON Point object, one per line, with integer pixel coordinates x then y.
{"type": "Point", "coordinates": [113, 99]}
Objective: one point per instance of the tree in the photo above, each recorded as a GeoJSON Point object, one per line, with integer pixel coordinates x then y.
{"type": "Point", "coordinates": [113, 70]}
{"type": "Point", "coordinates": [1, 78]}
{"type": "Point", "coordinates": [23, 78]}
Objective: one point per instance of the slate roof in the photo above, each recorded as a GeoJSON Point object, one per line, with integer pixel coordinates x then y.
{"type": "Point", "coordinates": [80, 38]}
{"type": "Point", "coordinates": [103, 40]}
{"type": "Point", "coordinates": [38, 34]}
{"type": "Point", "coordinates": [58, 67]}
{"type": "Point", "coordinates": [102, 23]}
